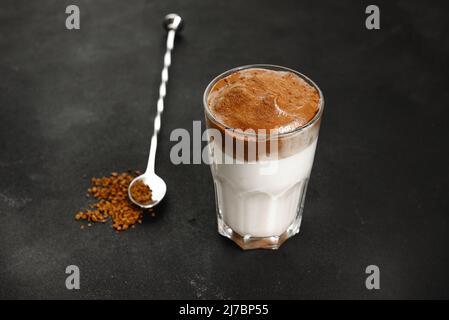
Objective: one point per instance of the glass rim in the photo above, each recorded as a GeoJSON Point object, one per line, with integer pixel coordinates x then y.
{"type": "Point", "coordinates": [269, 67]}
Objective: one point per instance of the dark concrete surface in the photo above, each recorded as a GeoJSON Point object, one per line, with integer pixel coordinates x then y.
{"type": "Point", "coordinates": [77, 104]}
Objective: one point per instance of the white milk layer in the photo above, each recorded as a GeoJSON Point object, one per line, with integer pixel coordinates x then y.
{"type": "Point", "coordinates": [262, 199]}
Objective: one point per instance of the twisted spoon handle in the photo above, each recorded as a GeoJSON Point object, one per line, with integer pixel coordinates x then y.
{"type": "Point", "coordinates": [172, 22]}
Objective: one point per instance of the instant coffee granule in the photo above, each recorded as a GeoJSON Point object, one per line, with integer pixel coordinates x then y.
{"type": "Point", "coordinates": [113, 202]}
{"type": "Point", "coordinates": [141, 192]}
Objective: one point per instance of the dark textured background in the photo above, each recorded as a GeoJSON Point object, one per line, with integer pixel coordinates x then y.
{"type": "Point", "coordinates": [76, 104]}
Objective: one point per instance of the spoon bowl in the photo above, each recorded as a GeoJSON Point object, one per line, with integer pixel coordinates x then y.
{"type": "Point", "coordinates": [157, 186]}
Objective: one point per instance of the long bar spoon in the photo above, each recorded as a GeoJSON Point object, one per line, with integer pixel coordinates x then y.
{"type": "Point", "coordinates": [172, 23]}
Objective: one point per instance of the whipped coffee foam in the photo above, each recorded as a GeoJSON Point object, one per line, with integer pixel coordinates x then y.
{"type": "Point", "coordinates": [263, 99]}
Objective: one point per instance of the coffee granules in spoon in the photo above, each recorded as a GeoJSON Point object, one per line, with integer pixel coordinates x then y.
{"type": "Point", "coordinates": [141, 192]}
{"type": "Point", "coordinates": [113, 202]}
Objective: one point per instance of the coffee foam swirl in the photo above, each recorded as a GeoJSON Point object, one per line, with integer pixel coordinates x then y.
{"type": "Point", "coordinates": [263, 99]}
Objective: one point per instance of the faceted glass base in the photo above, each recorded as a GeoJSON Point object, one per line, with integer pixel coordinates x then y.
{"type": "Point", "coordinates": [248, 242]}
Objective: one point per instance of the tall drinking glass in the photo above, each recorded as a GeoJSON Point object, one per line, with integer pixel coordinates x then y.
{"type": "Point", "coordinates": [260, 199]}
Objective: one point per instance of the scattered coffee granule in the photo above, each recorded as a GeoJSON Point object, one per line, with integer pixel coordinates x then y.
{"type": "Point", "coordinates": [113, 204]}
{"type": "Point", "coordinates": [141, 192]}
